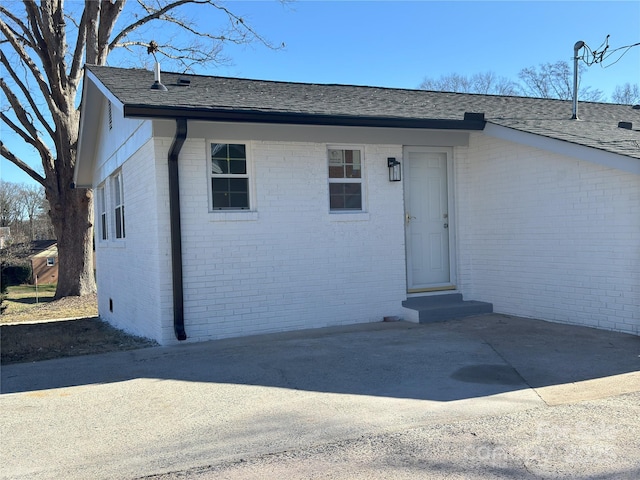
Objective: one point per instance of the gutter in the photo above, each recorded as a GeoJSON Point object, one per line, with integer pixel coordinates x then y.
{"type": "Point", "coordinates": [176, 231]}
{"type": "Point", "coordinates": [471, 121]}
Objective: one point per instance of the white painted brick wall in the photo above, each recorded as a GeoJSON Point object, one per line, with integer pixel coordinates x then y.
{"type": "Point", "coordinates": [547, 236]}
{"type": "Point", "coordinates": [117, 144]}
{"type": "Point", "coordinates": [539, 235]}
{"type": "Point", "coordinates": [129, 271]}
{"type": "Point", "coordinates": [291, 264]}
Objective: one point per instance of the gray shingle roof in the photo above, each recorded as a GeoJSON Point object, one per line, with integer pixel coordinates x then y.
{"type": "Point", "coordinates": [597, 127]}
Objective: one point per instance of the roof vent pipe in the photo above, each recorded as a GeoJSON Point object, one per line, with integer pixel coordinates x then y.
{"type": "Point", "coordinates": [157, 84]}
{"type": "Point", "coordinates": [578, 45]}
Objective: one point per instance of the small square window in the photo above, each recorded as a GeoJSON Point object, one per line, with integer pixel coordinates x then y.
{"type": "Point", "coordinates": [51, 261]}
{"type": "Point", "coordinates": [345, 196]}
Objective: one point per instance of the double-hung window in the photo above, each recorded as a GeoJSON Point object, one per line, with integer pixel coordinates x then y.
{"type": "Point", "coordinates": [229, 177]}
{"type": "Point", "coordinates": [102, 213]}
{"type": "Point", "coordinates": [345, 179]}
{"type": "Point", "coordinates": [118, 201]}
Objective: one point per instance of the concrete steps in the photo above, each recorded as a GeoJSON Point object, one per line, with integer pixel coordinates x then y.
{"type": "Point", "coordinates": [438, 308]}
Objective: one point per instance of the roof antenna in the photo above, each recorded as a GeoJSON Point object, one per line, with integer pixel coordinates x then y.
{"type": "Point", "coordinates": [578, 45]}
{"type": "Point", "coordinates": [157, 84]}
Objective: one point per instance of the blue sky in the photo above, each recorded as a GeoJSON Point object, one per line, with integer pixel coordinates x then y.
{"type": "Point", "coordinates": [398, 44]}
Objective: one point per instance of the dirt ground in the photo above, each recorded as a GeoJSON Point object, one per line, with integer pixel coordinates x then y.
{"type": "Point", "coordinates": [26, 337]}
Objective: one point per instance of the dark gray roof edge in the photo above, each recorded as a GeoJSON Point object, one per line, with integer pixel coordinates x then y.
{"type": "Point", "coordinates": [348, 85]}
{"type": "Point", "coordinates": [471, 121]}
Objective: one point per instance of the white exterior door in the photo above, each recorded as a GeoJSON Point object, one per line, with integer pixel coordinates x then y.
{"type": "Point", "coordinates": [427, 219]}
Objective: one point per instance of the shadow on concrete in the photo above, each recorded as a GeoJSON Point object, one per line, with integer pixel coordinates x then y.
{"type": "Point", "coordinates": [467, 358]}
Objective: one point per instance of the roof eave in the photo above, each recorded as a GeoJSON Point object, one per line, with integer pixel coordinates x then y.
{"type": "Point", "coordinates": [92, 89]}
{"type": "Point", "coordinates": [471, 122]}
{"type": "Point", "coordinates": [563, 147]}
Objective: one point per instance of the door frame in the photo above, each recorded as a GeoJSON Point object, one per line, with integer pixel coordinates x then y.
{"type": "Point", "coordinates": [452, 284]}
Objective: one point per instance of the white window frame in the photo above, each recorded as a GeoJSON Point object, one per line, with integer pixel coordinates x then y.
{"type": "Point", "coordinates": [231, 212]}
{"type": "Point", "coordinates": [103, 230]}
{"type": "Point", "coordinates": [361, 180]}
{"type": "Point", "coordinates": [51, 261]}
{"type": "Point", "coordinates": [118, 206]}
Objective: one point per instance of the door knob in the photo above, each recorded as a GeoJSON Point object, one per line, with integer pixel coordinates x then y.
{"type": "Point", "coordinates": [446, 225]}
{"type": "Point", "coordinates": [408, 218]}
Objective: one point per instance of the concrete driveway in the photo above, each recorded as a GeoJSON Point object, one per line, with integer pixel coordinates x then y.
{"type": "Point", "coordinates": [166, 409]}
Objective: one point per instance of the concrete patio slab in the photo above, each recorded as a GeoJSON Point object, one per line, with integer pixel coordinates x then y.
{"type": "Point", "coordinates": [129, 414]}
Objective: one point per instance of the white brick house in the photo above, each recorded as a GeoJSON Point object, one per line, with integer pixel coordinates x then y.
{"type": "Point", "coordinates": [228, 207]}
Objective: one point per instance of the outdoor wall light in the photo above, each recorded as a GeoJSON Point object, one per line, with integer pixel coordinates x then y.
{"type": "Point", "coordinates": [394, 169]}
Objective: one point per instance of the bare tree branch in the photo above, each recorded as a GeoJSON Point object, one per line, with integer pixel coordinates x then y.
{"type": "Point", "coordinates": [243, 31]}
{"type": "Point", "coordinates": [28, 132]}
{"type": "Point", "coordinates": [21, 164]}
{"type": "Point", "coordinates": [109, 12]}
{"type": "Point", "coordinates": [26, 93]}
{"type": "Point", "coordinates": [33, 68]}
{"type": "Point", "coordinates": [76, 63]}
{"type": "Point", "coordinates": [21, 38]}
{"type": "Point", "coordinates": [155, 15]}
{"type": "Point", "coordinates": [627, 94]}
{"type": "Point", "coordinates": [26, 36]}
{"type": "Point", "coordinates": [73, 20]}
{"type": "Point", "coordinates": [34, 142]}
{"type": "Point", "coordinates": [554, 80]}
{"type": "Point", "coordinates": [52, 46]}
{"type": "Point", "coordinates": [236, 20]}
{"type": "Point", "coordinates": [187, 56]}
{"type": "Point", "coordinates": [90, 14]}
{"type": "Point", "coordinates": [21, 114]}
{"type": "Point", "coordinates": [484, 83]}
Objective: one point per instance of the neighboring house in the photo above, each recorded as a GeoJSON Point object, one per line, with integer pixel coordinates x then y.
{"type": "Point", "coordinates": [44, 261]}
{"type": "Point", "coordinates": [257, 206]}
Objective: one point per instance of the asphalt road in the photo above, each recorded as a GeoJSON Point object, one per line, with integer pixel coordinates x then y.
{"type": "Point", "coordinates": [589, 440]}
{"type": "Point", "coordinates": [483, 397]}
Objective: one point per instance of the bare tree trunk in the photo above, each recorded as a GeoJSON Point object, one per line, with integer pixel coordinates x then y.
{"type": "Point", "coordinates": [71, 213]}
{"type": "Point", "coordinates": [73, 225]}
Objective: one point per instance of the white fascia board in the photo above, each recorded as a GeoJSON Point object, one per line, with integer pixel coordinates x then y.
{"type": "Point", "coordinates": [581, 152]}
{"type": "Point", "coordinates": [316, 133]}
{"type": "Point", "coordinates": [92, 92]}
{"type": "Point", "coordinates": [86, 145]}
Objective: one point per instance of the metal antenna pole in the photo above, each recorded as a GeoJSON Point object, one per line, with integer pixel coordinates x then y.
{"type": "Point", "coordinates": [578, 45]}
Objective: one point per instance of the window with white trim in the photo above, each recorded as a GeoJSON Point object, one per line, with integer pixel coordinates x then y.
{"type": "Point", "coordinates": [345, 179]}
{"type": "Point", "coordinates": [118, 202]}
{"type": "Point", "coordinates": [229, 177]}
{"type": "Point", "coordinates": [102, 213]}
{"type": "Point", "coordinates": [51, 261]}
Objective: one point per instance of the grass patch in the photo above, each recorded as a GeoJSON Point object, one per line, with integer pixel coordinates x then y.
{"type": "Point", "coordinates": [24, 304]}
{"type": "Point", "coordinates": [22, 297]}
